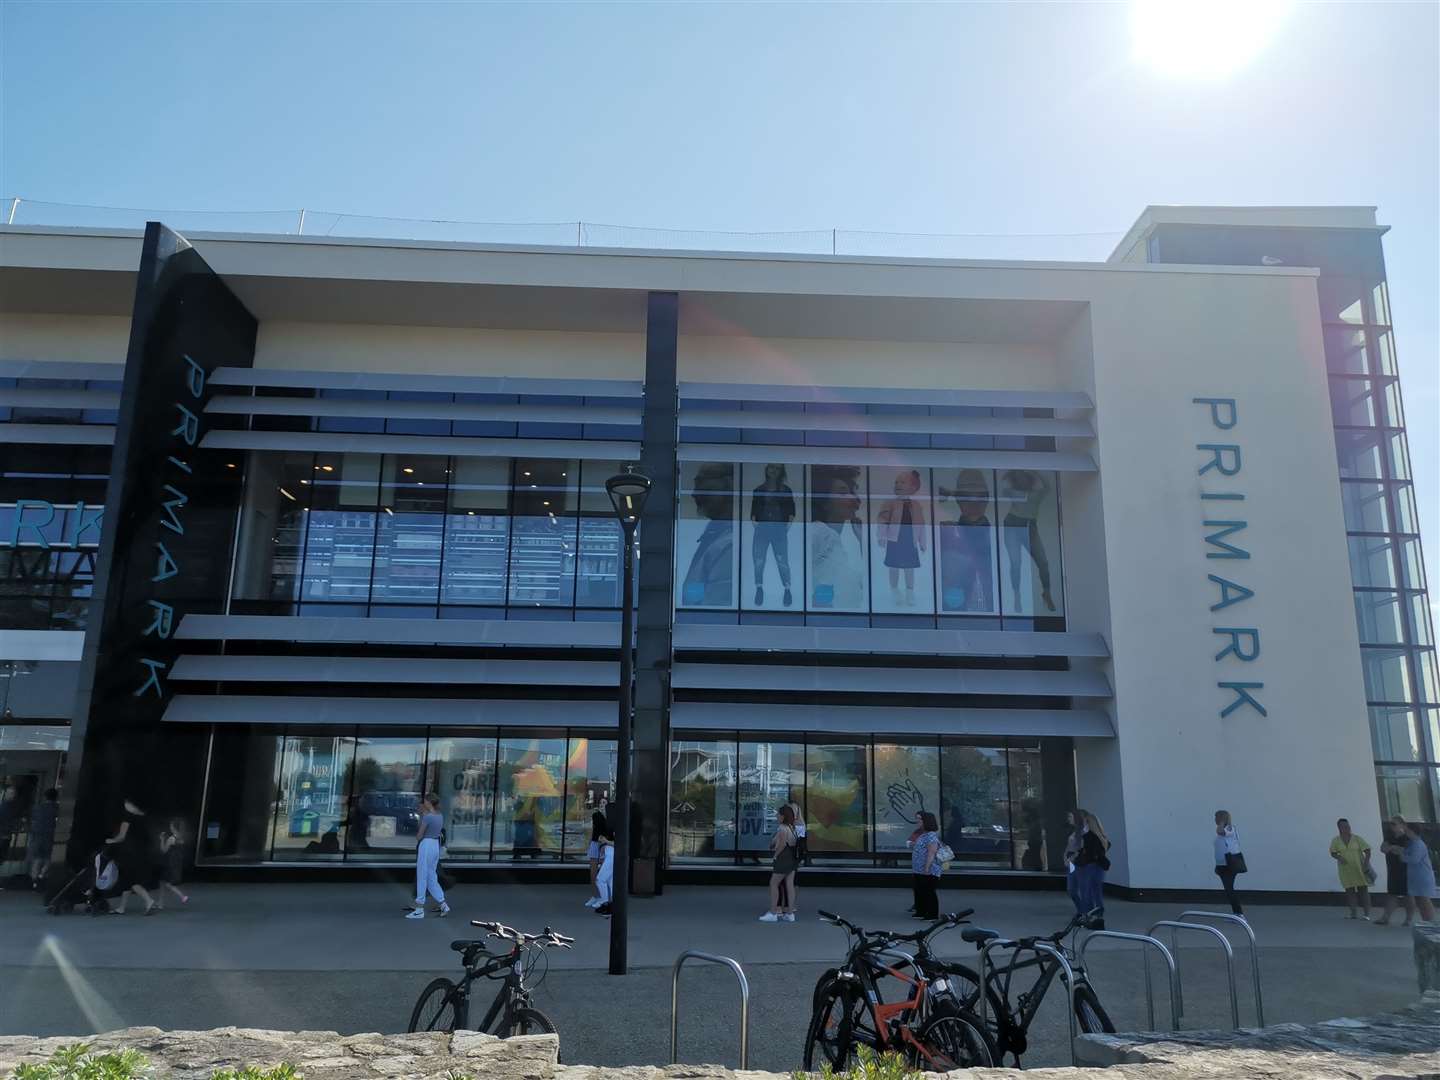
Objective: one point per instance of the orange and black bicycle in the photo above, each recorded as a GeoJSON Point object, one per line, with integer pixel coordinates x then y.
{"type": "Point", "coordinates": [928, 1030]}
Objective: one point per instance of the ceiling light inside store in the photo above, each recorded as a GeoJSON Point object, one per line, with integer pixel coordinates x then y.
{"type": "Point", "coordinates": [327, 468]}
{"type": "Point", "coordinates": [407, 470]}
{"type": "Point", "coordinates": [288, 495]}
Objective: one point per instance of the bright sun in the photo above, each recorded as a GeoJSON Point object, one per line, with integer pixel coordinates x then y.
{"type": "Point", "coordinates": [1203, 38]}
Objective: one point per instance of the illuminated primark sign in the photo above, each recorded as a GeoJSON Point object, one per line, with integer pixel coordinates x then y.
{"type": "Point", "coordinates": [44, 524]}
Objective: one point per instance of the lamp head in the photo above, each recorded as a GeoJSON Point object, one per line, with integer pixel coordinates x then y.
{"type": "Point", "coordinates": [627, 491]}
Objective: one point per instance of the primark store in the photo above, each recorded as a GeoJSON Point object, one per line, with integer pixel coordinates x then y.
{"type": "Point", "coordinates": [295, 529]}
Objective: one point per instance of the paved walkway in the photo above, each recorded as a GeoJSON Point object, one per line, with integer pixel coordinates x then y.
{"type": "Point", "coordinates": [341, 956]}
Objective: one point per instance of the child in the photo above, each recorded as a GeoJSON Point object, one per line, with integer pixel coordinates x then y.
{"type": "Point", "coordinates": [904, 529]}
{"type": "Point", "coordinates": [172, 862]}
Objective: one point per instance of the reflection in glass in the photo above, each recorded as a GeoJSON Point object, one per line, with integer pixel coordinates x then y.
{"type": "Point", "coordinates": [771, 774]}
{"type": "Point", "coordinates": [1030, 533]}
{"type": "Point", "coordinates": [772, 565]}
{"type": "Point", "coordinates": [462, 773]}
{"type": "Point", "coordinates": [529, 812]}
{"type": "Point", "coordinates": [1359, 454]}
{"type": "Point", "coordinates": [1421, 629]}
{"type": "Point", "coordinates": [966, 531]}
{"type": "Point", "coordinates": [239, 809]}
{"type": "Point", "coordinates": [837, 797]}
{"type": "Point", "coordinates": [589, 787]}
{"type": "Point", "coordinates": [411, 526]}
{"type": "Point", "coordinates": [1027, 807]}
{"type": "Point", "coordinates": [1377, 615]}
{"type": "Point", "coordinates": [1403, 791]}
{"type": "Point", "coordinates": [542, 549]}
{"type": "Point", "coordinates": [705, 536]}
{"type": "Point", "coordinates": [835, 539]}
{"type": "Point", "coordinates": [311, 811]}
{"type": "Point", "coordinates": [902, 565]}
{"type": "Point", "coordinates": [1371, 562]}
{"type": "Point", "coordinates": [272, 526]}
{"type": "Point", "coordinates": [702, 798]}
{"type": "Point", "coordinates": [340, 536]}
{"type": "Point", "coordinates": [1392, 734]}
{"type": "Point", "coordinates": [975, 817]}
{"type": "Point", "coordinates": [1365, 509]}
{"type": "Point", "coordinates": [1353, 403]}
{"type": "Point", "coordinates": [907, 781]}
{"type": "Point", "coordinates": [1346, 351]}
{"type": "Point", "coordinates": [598, 574]}
{"type": "Point", "coordinates": [477, 532]}
{"type": "Point", "coordinates": [1387, 675]}
{"type": "Point", "coordinates": [385, 791]}
{"type": "Point", "coordinates": [1407, 518]}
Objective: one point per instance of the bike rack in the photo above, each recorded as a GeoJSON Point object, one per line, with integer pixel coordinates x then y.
{"type": "Point", "coordinates": [1244, 924]}
{"type": "Point", "coordinates": [709, 958]}
{"type": "Point", "coordinates": [1039, 946]}
{"type": "Point", "coordinates": [1159, 946]}
{"type": "Point", "coordinates": [1175, 928]}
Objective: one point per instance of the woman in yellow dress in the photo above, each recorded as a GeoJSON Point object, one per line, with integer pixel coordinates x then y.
{"type": "Point", "coordinates": [1352, 853]}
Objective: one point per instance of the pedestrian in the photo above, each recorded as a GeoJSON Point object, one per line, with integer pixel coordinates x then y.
{"type": "Point", "coordinates": [605, 876]}
{"type": "Point", "coordinates": [1091, 862]}
{"type": "Point", "coordinates": [791, 883]}
{"type": "Point", "coordinates": [802, 846]}
{"type": "Point", "coordinates": [1229, 860]}
{"type": "Point", "coordinates": [1072, 849]}
{"type": "Point", "coordinates": [1352, 854]}
{"type": "Point", "coordinates": [42, 837]}
{"type": "Point", "coordinates": [594, 856]}
{"type": "Point", "coordinates": [172, 861]}
{"type": "Point", "coordinates": [134, 848]}
{"type": "Point", "coordinates": [926, 868]}
{"type": "Point", "coordinates": [427, 858]}
{"type": "Point", "coordinates": [782, 868]}
{"type": "Point", "coordinates": [1419, 871]}
{"type": "Point", "coordinates": [1397, 890]}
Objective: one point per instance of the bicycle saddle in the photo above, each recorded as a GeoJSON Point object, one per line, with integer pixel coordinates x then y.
{"type": "Point", "coordinates": [978, 935]}
{"type": "Point", "coordinates": [464, 945]}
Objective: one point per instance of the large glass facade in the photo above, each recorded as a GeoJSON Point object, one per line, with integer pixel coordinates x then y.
{"type": "Point", "coordinates": [895, 545]}
{"type": "Point", "coordinates": [420, 536]}
{"type": "Point", "coordinates": [354, 796]}
{"type": "Point", "coordinates": [861, 798]}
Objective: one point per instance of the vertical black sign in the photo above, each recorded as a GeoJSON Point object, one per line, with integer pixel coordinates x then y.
{"type": "Point", "coordinates": [170, 520]}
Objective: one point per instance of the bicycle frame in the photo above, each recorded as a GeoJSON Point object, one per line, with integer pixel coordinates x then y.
{"type": "Point", "coordinates": [1016, 1019]}
{"type": "Point", "coordinates": [512, 994]}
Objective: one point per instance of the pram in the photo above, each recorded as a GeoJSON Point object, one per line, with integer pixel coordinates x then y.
{"type": "Point", "coordinates": [90, 887]}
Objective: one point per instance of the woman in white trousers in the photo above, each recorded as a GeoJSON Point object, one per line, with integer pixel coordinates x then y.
{"type": "Point", "coordinates": [605, 879]}
{"type": "Point", "coordinates": [427, 858]}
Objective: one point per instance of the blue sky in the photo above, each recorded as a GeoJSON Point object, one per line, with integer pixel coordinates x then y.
{"type": "Point", "coordinates": [965, 118]}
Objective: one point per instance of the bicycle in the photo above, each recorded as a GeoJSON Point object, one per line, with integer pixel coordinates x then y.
{"type": "Point", "coordinates": [444, 1005]}
{"type": "Point", "coordinates": [929, 1026]}
{"type": "Point", "coordinates": [1009, 1028]}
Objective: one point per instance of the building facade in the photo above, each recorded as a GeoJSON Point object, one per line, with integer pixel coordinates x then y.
{"type": "Point", "coordinates": [296, 529]}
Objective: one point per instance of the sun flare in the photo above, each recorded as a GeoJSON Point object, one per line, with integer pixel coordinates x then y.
{"type": "Point", "coordinates": [1203, 39]}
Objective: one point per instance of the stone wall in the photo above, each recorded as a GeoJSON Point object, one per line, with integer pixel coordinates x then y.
{"type": "Point", "coordinates": [1427, 957]}
{"type": "Point", "coordinates": [1405, 1044]}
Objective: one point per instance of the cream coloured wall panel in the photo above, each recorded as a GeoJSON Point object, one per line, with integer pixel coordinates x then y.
{"type": "Point", "coordinates": [91, 339]}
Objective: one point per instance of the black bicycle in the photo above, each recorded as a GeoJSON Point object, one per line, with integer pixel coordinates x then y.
{"type": "Point", "coordinates": [1009, 1024]}
{"type": "Point", "coordinates": [444, 1005]}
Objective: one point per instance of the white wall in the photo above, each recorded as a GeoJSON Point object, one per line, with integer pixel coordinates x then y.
{"type": "Point", "coordinates": [91, 339]}
{"type": "Point", "coordinates": [897, 364]}
{"type": "Point", "coordinates": [449, 351]}
{"type": "Point", "coordinates": [1159, 341]}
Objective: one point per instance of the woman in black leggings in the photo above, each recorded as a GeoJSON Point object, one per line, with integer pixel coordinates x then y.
{"type": "Point", "coordinates": [1228, 859]}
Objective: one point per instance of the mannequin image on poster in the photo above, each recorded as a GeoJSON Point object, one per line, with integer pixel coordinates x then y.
{"type": "Point", "coordinates": [1023, 493]}
{"type": "Point", "coordinates": [967, 547]}
{"type": "Point", "coordinates": [902, 533]}
{"type": "Point", "coordinates": [836, 539]}
{"type": "Point", "coordinates": [709, 580]}
{"type": "Point", "coordinates": [772, 511]}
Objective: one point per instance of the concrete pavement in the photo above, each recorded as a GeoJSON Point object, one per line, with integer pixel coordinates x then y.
{"type": "Point", "coordinates": [341, 956]}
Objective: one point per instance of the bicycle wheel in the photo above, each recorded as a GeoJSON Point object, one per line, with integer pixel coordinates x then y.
{"type": "Point", "coordinates": [820, 986]}
{"type": "Point", "coordinates": [530, 1022]}
{"type": "Point", "coordinates": [953, 1040]}
{"type": "Point", "coordinates": [831, 1038]}
{"type": "Point", "coordinates": [1090, 1013]}
{"type": "Point", "coordinates": [438, 1008]}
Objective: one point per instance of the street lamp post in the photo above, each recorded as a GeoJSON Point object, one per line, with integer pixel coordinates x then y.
{"type": "Point", "coordinates": [627, 492]}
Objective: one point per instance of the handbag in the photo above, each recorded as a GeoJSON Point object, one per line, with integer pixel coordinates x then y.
{"type": "Point", "coordinates": [945, 855]}
{"type": "Point", "coordinates": [1235, 861]}
{"type": "Point", "coordinates": [1370, 874]}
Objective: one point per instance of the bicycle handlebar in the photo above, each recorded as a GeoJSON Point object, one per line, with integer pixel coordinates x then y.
{"type": "Point", "coordinates": [879, 938]}
{"type": "Point", "coordinates": [546, 937]}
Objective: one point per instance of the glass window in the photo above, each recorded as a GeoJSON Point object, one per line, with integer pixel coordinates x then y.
{"type": "Point", "coordinates": [1342, 299]}
{"type": "Point", "coordinates": [1346, 351]}
{"type": "Point", "coordinates": [1407, 518]}
{"type": "Point", "coordinates": [1354, 403]}
{"type": "Point", "coordinates": [589, 788]}
{"type": "Point", "coordinates": [1360, 454]}
{"type": "Point", "coordinates": [907, 782]}
{"type": "Point", "coordinates": [1372, 565]}
{"type": "Point", "coordinates": [1027, 808]}
{"type": "Point", "coordinates": [1377, 614]}
{"type": "Point", "coordinates": [1393, 735]}
{"type": "Point", "coordinates": [1403, 791]}
{"type": "Point", "coordinates": [240, 799]}
{"type": "Point", "coordinates": [542, 549]}
{"type": "Point", "coordinates": [835, 539]}
{"type": "Point", "coordinates": [771, 774]}
{"type": "Point", "coordinates": [772, 571]}
{"type": "Point", "coordinates": [372, 424]}
{"type": "Point", "coordinates": [837, 798]}
{"type": "Point", "coordinates": [705, 535]}
{"type": "Point", "coordinates": [1030, 541]}
{"type": "Point", "coordinates": [311, 813]}
{"type": "Point", "coordinates": [597, 577]}
{"type": "Point", "coordinates": [1427, 677]}
{"type": "Point", "coordinates": [1412, 566]}
{"type": "Point", "coordinates": [385, 793]}
{"type": "Point", "coordinates": [1385, 352]}
{"type": "Point", "coordinates": [422, 425]}
{"type": "Point", "coordinates": [967, 543]}
{"type": "Point", "coordinates": [411, 527]}
{"type": "Point", "coordinates": [1379, 303]}
{"type": "Point", "coordinates": [1387, 675]}
{"type": "Point", "coordinates": [1398, 455]}
{"type": "Point", "coordinates": [462, 773]}
{"type": "Point", "coordinates": [975, 801]}
{"type": "Point", "coordinates": [529, 812]}
{"type": "Point", "coordinates": [477, 532]}
{"type": "Point", "coordinates": [1422, 631]}
{"type": "Point", "coordinates": [340, 535]}
{"type": "Point", "coordinates": [1430, 725]}
{"type": "Point", "coordinates": [1365, 508]}
{"type": "Point", "coordinates": [702, 798]}
{"type": "Point", "coordinates": [901, 562]}
{"type": "Point", "coordinates": [272, 525]}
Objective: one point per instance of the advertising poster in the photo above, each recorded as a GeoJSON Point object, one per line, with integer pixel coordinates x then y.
{"type": "Point", "coordinates": [966, 538]}
{"type": "Point", "coordinates": [835, 540]}
{"type": "Point", "coordinates": [1029, 542]}
{"type": "Point", "coordinates": [705, 528]}
{"type": "Point", "coordinates": [907, 781]}
{"type": "Point", "coordinates": [901, 562]}
{"type": "Point", "coordinates": [769, 773]}
{"type": "Point", "coordinates": [771, 567]}
{"type": "Point", "coordinates": [836, 798]}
